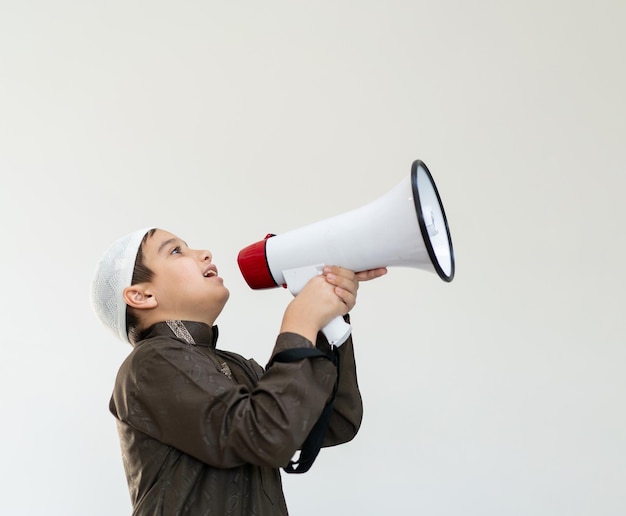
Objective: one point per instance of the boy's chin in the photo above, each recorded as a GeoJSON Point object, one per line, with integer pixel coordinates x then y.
{"type": "Point", "coordinates": [223, 300]}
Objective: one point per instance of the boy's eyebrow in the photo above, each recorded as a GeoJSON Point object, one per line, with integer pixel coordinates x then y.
{"type": "Point", "coordinates": [169, 242]}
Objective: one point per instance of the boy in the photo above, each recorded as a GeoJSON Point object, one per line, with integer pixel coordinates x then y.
{"type": "Point", "coordinates": [202, 430]}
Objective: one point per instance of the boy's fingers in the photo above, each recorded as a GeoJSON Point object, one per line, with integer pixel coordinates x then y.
{"type": "Point", "coordinates": [336, 275]}
{"type": "Point", "coordinates": [347, 297]}
{"type": "Point", "coordinates": [344, 279]}
{"type": "Point", "coordinates": [371, 274]}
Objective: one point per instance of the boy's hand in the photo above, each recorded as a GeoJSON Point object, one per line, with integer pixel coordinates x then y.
{"type": "Point", "coordinates": [346, 282]}
{"type": "Point", "coordinates": [323, 298]}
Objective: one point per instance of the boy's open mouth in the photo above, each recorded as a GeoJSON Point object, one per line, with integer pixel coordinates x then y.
{"type": "Point", "coordinates": [210, 272]}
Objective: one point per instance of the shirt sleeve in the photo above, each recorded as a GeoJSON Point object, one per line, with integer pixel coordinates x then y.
{"type": "Point", "coordinates": [175, 394]}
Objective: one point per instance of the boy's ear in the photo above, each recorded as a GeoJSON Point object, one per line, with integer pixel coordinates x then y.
{"type": "Point", "coordinates": [139, 296]}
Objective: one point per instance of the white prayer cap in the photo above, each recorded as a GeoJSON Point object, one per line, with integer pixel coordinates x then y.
{"type": "Point", "coordinates": [114, 273]}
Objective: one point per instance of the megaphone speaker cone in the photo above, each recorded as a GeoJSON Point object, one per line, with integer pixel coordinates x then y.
{"type": "Point", "coordinates": [432, 221]}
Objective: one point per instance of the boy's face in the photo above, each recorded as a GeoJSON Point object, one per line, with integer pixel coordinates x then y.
{"type": "Point", "coordinates": [185, 284]}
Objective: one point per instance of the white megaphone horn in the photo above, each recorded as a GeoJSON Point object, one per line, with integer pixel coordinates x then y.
{"type": "Point", "coordinates": [406, 227]}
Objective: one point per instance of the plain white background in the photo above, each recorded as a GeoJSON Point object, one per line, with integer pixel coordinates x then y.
{"type": "Point", "coordinates": [501, 393]}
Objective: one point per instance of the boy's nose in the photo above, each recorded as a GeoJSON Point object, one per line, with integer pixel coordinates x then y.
{"type": "Point", "coordinates": [205, 255]}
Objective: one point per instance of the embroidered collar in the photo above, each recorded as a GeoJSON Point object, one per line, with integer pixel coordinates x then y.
{"type": "Point", "coordinates": [194, 333]}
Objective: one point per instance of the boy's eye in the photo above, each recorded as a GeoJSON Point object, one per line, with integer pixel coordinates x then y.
{"type": "Point", "coordinates": [176, 250]}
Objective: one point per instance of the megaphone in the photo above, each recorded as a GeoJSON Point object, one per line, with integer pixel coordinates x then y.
{"type": "Point", "coordinates": [406, 227]}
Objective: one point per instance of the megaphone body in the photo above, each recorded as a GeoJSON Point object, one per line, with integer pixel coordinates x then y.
{"type": "Point", "coordinates": [406, 227]}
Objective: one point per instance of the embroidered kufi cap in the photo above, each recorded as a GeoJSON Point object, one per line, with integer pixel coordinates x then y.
{"type": "Point", "coordinates": [114, 273]}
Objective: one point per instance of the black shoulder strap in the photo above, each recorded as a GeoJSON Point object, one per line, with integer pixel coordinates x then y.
{"type": "Point", "coordinates": [312, 444]}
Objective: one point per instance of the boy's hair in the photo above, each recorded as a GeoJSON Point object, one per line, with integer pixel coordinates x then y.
{"type": "Point", "coordinates": [141, 274]}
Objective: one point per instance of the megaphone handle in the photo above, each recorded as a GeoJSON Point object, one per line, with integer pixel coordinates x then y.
{"type": "Point", "coordinates": [337, 331]}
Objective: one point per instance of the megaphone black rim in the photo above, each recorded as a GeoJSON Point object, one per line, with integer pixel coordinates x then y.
{"type": "Point", "coordinates": [422, 223]}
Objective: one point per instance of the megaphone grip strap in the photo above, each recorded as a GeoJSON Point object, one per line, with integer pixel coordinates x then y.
{"type": "Point", "coordinates": [313, 443]}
